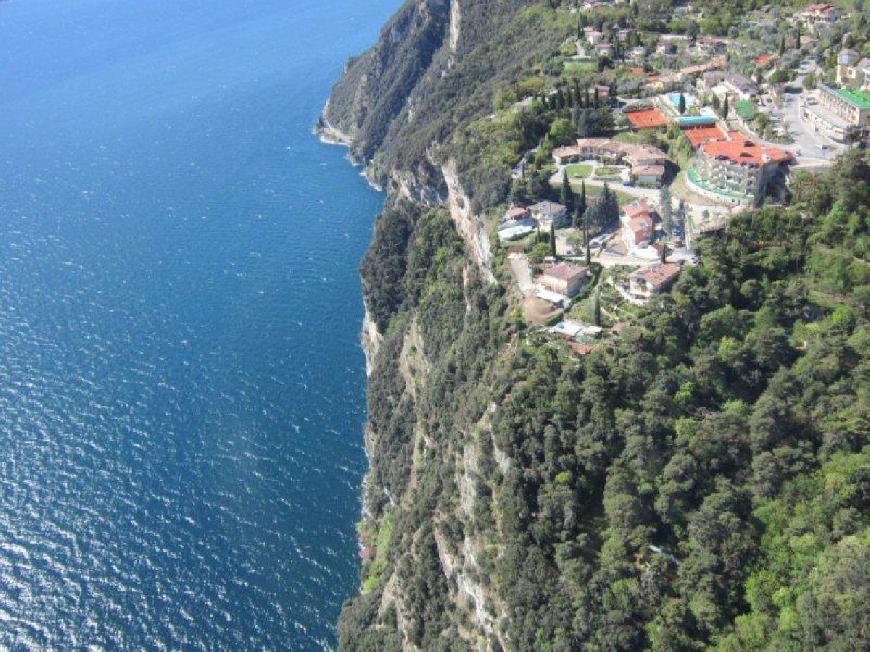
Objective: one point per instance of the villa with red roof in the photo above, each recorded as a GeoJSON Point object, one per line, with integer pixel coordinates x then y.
{"type": "Point", "coordinates": [653, 279]}
{"type": "Point", "coordinates": [647, 163]}
{"type": "Point", "coordinates": [736, 169]}
{"type": "Point", "coordinates": [818, 14]}
{"type": "Point", "coordinates": [637, 224]}
{"type": "Point", "coordinates": [564, 278]}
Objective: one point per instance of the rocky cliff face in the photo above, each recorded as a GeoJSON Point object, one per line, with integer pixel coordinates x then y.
{"type": "Point", "coordinates": [432, 328]}
{"type": "Point", "coordinates": [376, 86]}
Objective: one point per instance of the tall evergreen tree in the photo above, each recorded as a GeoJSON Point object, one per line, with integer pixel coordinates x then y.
{"type": "Point", "coordinates": [580, 202]}
{"type": "Point", "coordinates": [682, 104]}
{"type": "Point", "coordinates": [609, 215]}
{"type": "Point", "coordinates": [567, 195]}
{"type": "Point", "coordinates": [725, 108]}
{"type": "Point", "coordinates": [596, 309]}
{"type": "Point", "coordinates": [781, 46]}
{"type": "Point", "coordinates": [586, 237]}
{"type": "Point", "coordinates": [667, 210]}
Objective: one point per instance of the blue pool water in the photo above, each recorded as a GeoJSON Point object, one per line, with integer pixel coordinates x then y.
{"type": "Point", "coordinates": [181, 385]}
{"type": "Point", "coordinates": [674, 98]}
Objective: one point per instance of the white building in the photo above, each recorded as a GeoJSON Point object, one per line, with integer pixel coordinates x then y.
{"type": "Point", "coordinates": [841, 114]}
{"type": "Point", "coordinates": [547, 213]}
{"type": "Point", "coordinates": [651, 280]}
{"type": "Point", "coordinates": [853, 71]}
{"type": "Point", "coordinates": [565, 279]}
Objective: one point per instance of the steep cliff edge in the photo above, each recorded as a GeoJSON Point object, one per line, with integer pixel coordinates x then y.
{"type": "Point", "coordinates": [375, 86]}
{"type": "Point", "coordinates": [433, 324]}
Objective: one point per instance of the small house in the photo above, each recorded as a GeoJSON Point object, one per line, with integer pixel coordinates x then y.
{"type": "Point", "coordinates": [637, 224]}
{"type": "Point", "coordinates": [548, 213]}
{"type": "Point", "coordinates": [565, 278]}
{"type": "Point", "coordinates": [653, 279]}
{"type": "Point", "coordinates": [516, 223]}
{"type": "Point", "coordinates": [649, 175]}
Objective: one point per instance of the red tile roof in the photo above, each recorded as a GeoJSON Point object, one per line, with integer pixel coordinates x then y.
{"type": "Point", "coordinates": [739, 149]}
{"type": "Point", "coordinates": [650, 118]}
{"type": "Point", "coordinates": [657, 276]}
{"type": "Point", "coordinates": [762, 59]}
{"type": "Point", "coordinates": [566, 271]}
{"type": "Point", "coordinates": [636, 208]}
{"type": "Point", "coordinates": [641, 228]}
{"type": "Point", "coordinates": [638, 220]}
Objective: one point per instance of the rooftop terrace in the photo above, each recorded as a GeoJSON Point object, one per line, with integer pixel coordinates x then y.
{"type": "Point", "coordinates": [740, 150]}
{"type": "Point", "coordinates": [860, 99]}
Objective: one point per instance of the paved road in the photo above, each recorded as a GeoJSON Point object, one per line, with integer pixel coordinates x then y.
{"type": "Point", "coordinates": [806, 141]}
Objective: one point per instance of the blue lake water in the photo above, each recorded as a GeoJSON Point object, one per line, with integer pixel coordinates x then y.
{"type": "Point", "coordinates": [181, 384]}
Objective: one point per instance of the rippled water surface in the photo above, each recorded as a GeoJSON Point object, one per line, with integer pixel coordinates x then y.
{"type": "Point", "coordinates": [181, 387]}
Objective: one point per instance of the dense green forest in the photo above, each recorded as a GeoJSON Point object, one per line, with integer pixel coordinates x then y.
{"type": "Point", "coordinates": [701, 481]}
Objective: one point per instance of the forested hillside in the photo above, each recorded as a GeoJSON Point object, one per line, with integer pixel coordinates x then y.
{"type": "Point", "coordinates": [700, 482]}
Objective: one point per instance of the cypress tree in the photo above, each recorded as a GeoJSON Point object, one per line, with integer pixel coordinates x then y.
{"type": "Point", "coordinates": [567, 196]}
{"type": "Point", "coordinates": [725, 108]}
{"type": "Point", "coordinates": [682, 105]}
{"type": "Point", "coordinates": [596, 309]}
{"type": "Point", "coordinates": [581, 204]}
{"type": "Point", "coordinates": [586, 238]}
{"type": "Point", "coordinates": [667, 210]}
{"type": "Point", "coordinates": [781, 45]}
{"type": "Point", "coordinates": [608, 211]}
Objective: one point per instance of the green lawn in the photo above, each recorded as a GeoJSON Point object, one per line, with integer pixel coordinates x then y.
{"type": "Point", "coordinates": [745, 109]}
{"type": "Point", "coordinates": [578, 170]}
{"type": "Point", "coordinates": [627, 137]}
{"type": "Point", "coordinates": [580, 66]}
{"type": "Point", "coordinates": [606, 171]}
{"type": "Point", "coordinates": [592, 192]}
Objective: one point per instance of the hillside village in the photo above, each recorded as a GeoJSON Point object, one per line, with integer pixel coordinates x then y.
{"type": "Point", "coordinates": [616, 311]}
{"type": "Point", "coordinates": [656, 136]}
